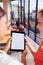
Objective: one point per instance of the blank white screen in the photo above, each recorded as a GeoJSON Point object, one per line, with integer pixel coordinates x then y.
{"type": "Point", "coordinates": [17, 41]}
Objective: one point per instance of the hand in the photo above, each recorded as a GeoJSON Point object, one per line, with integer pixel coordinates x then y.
{"type": "Point", "coordinates": [26, 41]}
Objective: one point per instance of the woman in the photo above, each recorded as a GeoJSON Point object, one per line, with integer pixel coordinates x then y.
{"type": "Point", "coordinates": [38, 55]}
{"type": "Point", "coordinates": [4, 58]}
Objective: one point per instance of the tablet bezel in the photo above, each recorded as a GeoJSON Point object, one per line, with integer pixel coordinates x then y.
{"type": "Point", "coordinates": [11, 42]}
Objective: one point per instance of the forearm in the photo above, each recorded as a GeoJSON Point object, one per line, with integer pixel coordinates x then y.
{"type": "Point", "coordinates": [31, 49]}
{"type": "Point", "coordinates": [28, 43]}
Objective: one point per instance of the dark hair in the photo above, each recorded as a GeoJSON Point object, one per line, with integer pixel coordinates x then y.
{"type": "Point", "coordinates": [2, 12]}
{"type": "Point", "coordinates": [17, 23]}
{"type": "Point", "coordinates": [41, 12]}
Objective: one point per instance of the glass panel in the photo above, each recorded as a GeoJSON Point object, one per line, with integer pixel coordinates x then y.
{"type": "Point", "coordinates": [40, 4]}
{"type": "Point", "coordinates": [14, 10]}
{"type": "Point", "coordinates": [22, 10]}
{"type": "Point", "coordinates": [19, 11]}
{"type": "Point", "coordinates": [1, 4]}
{"type": "Point", "coordinates": [32, 18]}
{"type": "Point", "coordinates": [26, 15]}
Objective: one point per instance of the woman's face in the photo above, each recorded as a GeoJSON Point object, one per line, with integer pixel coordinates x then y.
{"type": "Point", "coordinates": [40, 24]}
{"type": "Point", "coordinates": [3, 25]}
{"type": "Point", "coordinates": [21, 26]}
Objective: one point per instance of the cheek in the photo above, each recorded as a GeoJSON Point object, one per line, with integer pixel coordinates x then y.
{"type": "Point", "coordinates": [3, 28]}
{"type": "Point", "coordinates": [40, 27]}
{"type": "Point", "coordinates": [41, 30]}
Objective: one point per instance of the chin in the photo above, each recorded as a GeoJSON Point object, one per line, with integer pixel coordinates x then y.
{"type": "Point", "coordinates": [41, 34]}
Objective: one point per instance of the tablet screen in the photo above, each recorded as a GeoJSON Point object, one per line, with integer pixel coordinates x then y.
{"type": "Point", "coordinates": [17, 42]}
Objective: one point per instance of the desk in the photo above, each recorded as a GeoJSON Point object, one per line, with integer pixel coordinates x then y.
{"type": "Point", "coordinates": [5, 39]}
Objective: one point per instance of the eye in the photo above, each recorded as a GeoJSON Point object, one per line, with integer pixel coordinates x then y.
{"type": "Point", "coordinates": [39, 23]}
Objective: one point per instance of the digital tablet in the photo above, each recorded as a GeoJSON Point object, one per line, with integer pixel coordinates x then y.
{"type": "Point", "coordinates": [17, 42]}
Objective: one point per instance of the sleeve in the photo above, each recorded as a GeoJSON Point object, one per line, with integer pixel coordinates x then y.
{"type": "Point", "coordinates": [7, 60]}
{"type": "Point", "coordinates": [14, 63]}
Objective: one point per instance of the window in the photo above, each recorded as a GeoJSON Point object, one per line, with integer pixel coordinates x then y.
{"type": "Point", "coordinates": [26, 15]}
{"type": "Point", "coordinates": [14, 10]}
{"type": "Point", "coordinates": [1, 4]}
{"type": "Point", "coordinates": [32, 18]}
